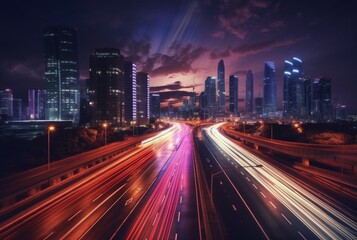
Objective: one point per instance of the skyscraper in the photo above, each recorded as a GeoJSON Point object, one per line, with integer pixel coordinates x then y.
{"type": "Point", "coordinates": [233, 94]}
{"type": "Point", "coordinates": [249, 92]}
{"type": "Point", "coordinates": [36, 104]}
{"type": "Point", "coordinates": [287, 98]}
{"type": "Point", "coordinates": [6, 103]}
{"type": "Point", "coordinates": [293, 96]}
{"type": "Point", "coordinates": [269, 95]}
{"type": "Point", "coordinates": [322, 98]}
{"type": "Point", "coordinates": [296, 94]}
{"type": "Point", "coordinates": [210, 91]}
{"type": "Point", "coordinates": [221, 87]}
{"type": "Point", "coordinates": [143, 98]}
{"type": "Point", "coordinates": [17, 109]}
{"type": "Point", "coordinates": [61, 73]}
{"type": "Point", "coordinates": [130, 92]}
{"type": "Point", "coordinates": [106, 85]}
{"type": "Point", "coordinates": [155, 105]}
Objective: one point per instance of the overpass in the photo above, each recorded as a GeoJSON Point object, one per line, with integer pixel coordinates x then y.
{"type": "Point", "coordinates": [337, 155]}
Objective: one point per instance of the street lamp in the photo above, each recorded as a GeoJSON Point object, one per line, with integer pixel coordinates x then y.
{"type": "Point", "coordinates": [212, 175]}
{"type": "Point", "coordinates": [105, 125]}
{"type": "Point", "coordinates": [50, 129]}
{"type": "Point", "coordinates": [133, 124]}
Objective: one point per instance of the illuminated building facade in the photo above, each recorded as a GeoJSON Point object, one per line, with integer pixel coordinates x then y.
{"type": "Point", "coordinates": [61, 73]}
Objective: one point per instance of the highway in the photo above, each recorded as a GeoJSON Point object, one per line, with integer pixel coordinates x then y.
{"type": "Point", "coordinates": [112, 202]}
{"type": "Point", "coordinates": [248, 189]}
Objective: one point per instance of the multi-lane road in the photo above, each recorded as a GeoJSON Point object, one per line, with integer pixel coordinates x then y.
{"type": "Point", "coordinates": [264, 201]}
{"type": "Point", "coordinates": [151, 192]}
{"type": "Point", "coordinates": [144, 194]}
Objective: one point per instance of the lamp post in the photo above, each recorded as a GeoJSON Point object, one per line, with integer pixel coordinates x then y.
{"type": "Point", "coordinates": [212, 175]}
{"type": "Point", "coordinates": [105, 125]}
{"type": "Point", "coordinates": [133, 124]}
{"type": "Point", "coordinates": [50, 129]}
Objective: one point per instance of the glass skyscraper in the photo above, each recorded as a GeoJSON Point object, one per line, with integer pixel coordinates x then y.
{"type": "Point", "coordinates": [293, 95]}
{"type": "Point", "coordinates": [287, 98]}
{"type": "Point", "coordinates": [210, 91]}
{"type": "Point", "coordinates": [155, 105]}
{"type": "Point", "coordinates": [61, 73]}
{"type": "Point", "coordinates": [106, 86]}
{"type": "Point", "coordinates": [221, 87]}
{"type": "Point", "coordinates": [130, 92]}
{"type": "Point", "coordinates": [249, 92]}
{"type": "Point", "coordinates": [269, 97]}
{"type": "Point", "coordinates": [233, 94]}
{"type": "Point", "coordinates": [143, 97]}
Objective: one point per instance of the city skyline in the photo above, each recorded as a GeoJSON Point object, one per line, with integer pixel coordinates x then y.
{"type": "Point", "coordinates": [264, 31]}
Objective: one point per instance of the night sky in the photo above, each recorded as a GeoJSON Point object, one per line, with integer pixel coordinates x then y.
{"type": "Point", "coordinates": [176, 41]}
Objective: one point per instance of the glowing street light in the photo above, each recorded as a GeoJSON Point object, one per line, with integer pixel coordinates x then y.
{"type": "Point", "coordinates": [105, 125]}
{"type": "Point", "coordinates": [133, 124]}
{"type": "Point", "coordinates": [50, 129]}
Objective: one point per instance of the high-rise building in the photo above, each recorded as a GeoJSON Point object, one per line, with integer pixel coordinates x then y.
{"type": "Point", "coordinates": [233, 94]}
{"type": "Point", "coordinates": [221, 87]}
{"type": "Point", "coordinates": [192, 101]}
{"type": "Point", "coordinates": [210, 91]}
{"type": "Point", "coordinates": [130, 92]}
{"type": "Point", "coordinates": [287, 98]}
{"type": "Point", "coordinates": [17, 109]}
{"type": "Point", "coordinates": [307, 101]}
{"type": "Point", "coordinates": [6, 103]}
{"type": "Point", "coordinates": [321, 109]}
{"type": "Point", "coordinates": [259, 105]}
{"type": "Point", "coordinates": [61, 73]}
{"type": "Point", "coordinates": [84, 106]}
{"type": "Point", "coordinates": [269, 97]}
{"type": "Point", "coordinates": [106, 92]}
{"type": "Point", "coordinates": [143, 98]}
{"type": "Point", "coordinates": [155, 105]}
{"type": "Point", "coordinates": [170, 110]}
{"type": "Point", "coordinates": [340, 112]}
{"type": "Point", "coordinates": [249, 92]}
{"type": "Point", "coordinates": [296, 89]}
{"type": "Point", "coordinates": [36, 104]}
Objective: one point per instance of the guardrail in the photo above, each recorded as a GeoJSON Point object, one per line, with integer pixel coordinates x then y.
{"type": "Point", "coordinates": [17, 188]}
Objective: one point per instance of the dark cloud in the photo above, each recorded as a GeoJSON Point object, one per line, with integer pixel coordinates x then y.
{"type": "Point", "coordinates": [178, 62]}
{"type": "Point", "coordinates": [174, 96]}
{"type": "Point", "coordinates": [218, 55]}
{"type": "Point", "coordinates": [174, 86]}
{"type": "Point", "coordinates": [263, 46]}
{"type": "Point", "coordinates": [235, 15]}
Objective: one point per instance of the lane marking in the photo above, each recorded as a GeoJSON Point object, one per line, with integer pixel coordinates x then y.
{"type": "Point", "coordinates": [234, 207]}
{"type": "Point", "coordinates": [154, 219]}
{"type": "Point", "coordinates": [247, 179]}
{"type": "Point", "coordinates": [286, 219]}
{"type": "Point", "coordinates": [303, 237]}
{"type": "Point", "coordinates": [74, 215]}
{"type": "Point", "coordinates": [175, 236]}
{"type": "Point", "coordinates": [178, 217]}
{"type": "Point", "coordinates": [220, 182]}
{"type": "Point", "coordinates": [163, 199]}
{"type": "Point", "coordinates": [255, 186]}
{"type": "Point", "coordinates": [272, 204]}
{"type": "Point", "coordinates": [49, 235]}
{"type": "Point", "coordinates": [181, 199]}
{"type": "Point", "coordinates": [242, 173]}
{"type": "Point", "coordinates": [97, 198]}
{"type": "Point", "coordinates": [128, 201]}
{"type": "Point", "coordinates": [263, 195]}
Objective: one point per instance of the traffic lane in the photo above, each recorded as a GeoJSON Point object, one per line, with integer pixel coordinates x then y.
{"type": "Point", "coordinates": [186, 218]}
{"type": "Point", "coordinates": [275, 219]}
{"type": "Point", "coordinates": [324, 220]}
{"type": "Point", "coordinates": [63, 205]}
{"type": "Point", "coordinates": [238, 221]}
{"type": "Point", "coordinates": [113, 226]}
